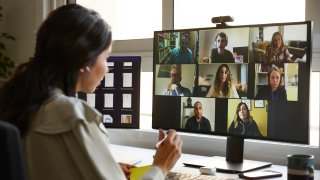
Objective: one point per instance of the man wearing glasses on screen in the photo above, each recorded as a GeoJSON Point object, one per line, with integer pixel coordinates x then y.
{"type": "Point", "coordinates": [174, 88]}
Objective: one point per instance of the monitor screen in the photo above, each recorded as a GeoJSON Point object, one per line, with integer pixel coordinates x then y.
{"type": "Point", "coordinates": [249, 81]}
{"type": "Point", "coordinates": [117, 97]}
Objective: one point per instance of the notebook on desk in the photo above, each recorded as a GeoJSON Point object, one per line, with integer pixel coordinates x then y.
{"type": "Point", "coordinates": [222, 165]}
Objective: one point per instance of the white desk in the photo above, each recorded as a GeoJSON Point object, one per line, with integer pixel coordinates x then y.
{"type": "Point", "coordinates": [131, 155]}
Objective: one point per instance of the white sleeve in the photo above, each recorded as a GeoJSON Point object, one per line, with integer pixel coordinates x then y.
{"type": "Point", "coordinates": [154, 173]}
{"type": "Point", "coordinates": [210, 92]}
{"type": "Point", "coordinates": [234, 92]}
{"type": "Point", "coordinates": [93, 146]}
{"type": "Point", "coordinates": [166, 92]}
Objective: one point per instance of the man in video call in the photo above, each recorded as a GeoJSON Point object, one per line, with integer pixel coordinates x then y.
{"type": "Point", "coordinates": [220, 54]}
{"type": "Point", "coordinates": [182, 54]}
{"type": "Point", "coordinates": [198, 122]}
{"type": "Point", "coordinates": [174, 88]}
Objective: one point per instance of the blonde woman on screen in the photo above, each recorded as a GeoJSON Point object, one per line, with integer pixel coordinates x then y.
{"type": "Point", "coordinates": [222, 86]}
{"type": "Point", "coordinates": [277, 51]}
{"type": "Point", "coordinates": [274, 90]}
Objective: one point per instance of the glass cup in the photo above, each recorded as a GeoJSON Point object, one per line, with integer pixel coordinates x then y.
{"type": "Point", "coordinates": [300, 166]}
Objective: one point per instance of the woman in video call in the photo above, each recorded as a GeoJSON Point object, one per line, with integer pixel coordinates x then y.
{"type": "Point", "coordinates": [223, 86]}
{"type": "Point", "coordinates": [243, 123]}
{"type": "Point", "coordinates": [63, 137]}
{"type": "Point", "coordinates": [277, 51]}
{"type": "Point", "coordinates": [220, 54]}
{"type": "Point", "coordinates": [274, 90]}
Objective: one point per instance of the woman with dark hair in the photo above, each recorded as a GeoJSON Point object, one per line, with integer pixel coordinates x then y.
{"type": "Point", "coordinates": [274, 90]}
{"type": "Point", "coordinates": [220, 54]}
{"type": "Point", "coordinates": [277, 51]}
{"type": "Point", "coordinates": [222, 86]}
{"type": "Point", "coordinates": [243, 123]}
{"type": "Point", "coordinates": [64, 137]}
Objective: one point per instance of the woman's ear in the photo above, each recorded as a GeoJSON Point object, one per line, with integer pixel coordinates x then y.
{"type": "Point", "coordinates": [82, 70]}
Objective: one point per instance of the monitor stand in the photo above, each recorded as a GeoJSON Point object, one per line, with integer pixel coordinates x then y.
{"type": "Point", "coordinates": [233, 162]}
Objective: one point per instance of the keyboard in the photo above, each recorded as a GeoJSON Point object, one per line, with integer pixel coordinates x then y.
{"type": "Point", "coordinates": [184, 176]}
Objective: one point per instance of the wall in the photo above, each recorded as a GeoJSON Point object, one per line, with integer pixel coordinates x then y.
{"type": "Point", "coordinates": [22, 19]}
{"type": "Point", "coordinates": [312, 13]}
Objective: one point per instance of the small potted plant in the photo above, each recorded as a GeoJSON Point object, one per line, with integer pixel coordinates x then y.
{"type": "Point", "coordinates": [6, 63]}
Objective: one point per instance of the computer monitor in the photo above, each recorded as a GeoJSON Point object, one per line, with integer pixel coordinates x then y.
{"type": "Point", "coordinates": [117, 97]}
{"type": "Point", "coordinates": [242, 82]}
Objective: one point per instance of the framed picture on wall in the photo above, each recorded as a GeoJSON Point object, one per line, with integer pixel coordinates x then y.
{"type": "Point", "coordinates": [259, 103]}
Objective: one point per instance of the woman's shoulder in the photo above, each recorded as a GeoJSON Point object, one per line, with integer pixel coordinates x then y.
{"type": "Point", "coordinates": [232, 85]}
{"type": "Point", "coordinates": [61, 113]}
{"type": "Point", "coordinates": [282, 90]}
{"type": "Point", "coordinates": [265, 88]}
{"type": "Point", "coordinates": [252, 121]}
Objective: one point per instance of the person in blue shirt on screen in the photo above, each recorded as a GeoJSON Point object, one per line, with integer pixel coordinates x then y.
{"type": "Point", "coordinates": [274, 90]}
{"type": "Point", "coordinates": [182, 54]}
{"type": "Point", "coordinates": [174, 88]}
{"type": "Point", "coordinates": [63, 136]}
{"type": "Point", "coordinates": [243, 123]}
{"type": "Point", "coordinates": [198, 122]}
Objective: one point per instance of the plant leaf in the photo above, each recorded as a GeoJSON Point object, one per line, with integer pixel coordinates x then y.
{"type": "Point", "coordinates": [2, 46]}
{"type": "Point", "coordinates": [8, 36]}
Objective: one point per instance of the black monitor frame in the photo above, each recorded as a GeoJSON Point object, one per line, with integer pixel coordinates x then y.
{"type": "Point", "coordinates": [160, 101]}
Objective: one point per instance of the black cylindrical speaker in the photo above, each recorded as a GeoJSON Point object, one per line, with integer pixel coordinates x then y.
{"type": "Point", "coordinates": [234, 150]}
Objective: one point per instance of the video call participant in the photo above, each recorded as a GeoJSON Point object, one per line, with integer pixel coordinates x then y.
{"type": "Point", "coordinates": [243, 123]}
{"type": "Point", "coordinates": [174, 88]}
{"type": "Point", "coordinates": [274, 91]}
{"type": "Point", "coordinates": [198, 122]}
{"type": "Point", "coordinates": [63, 137]}
{"type": "Point", "coordinates": [182, 54]}
{"type": "Point", "coordinates": [223, 86]}
{"type": "Point", "coordinates": [220, 54]}
{"type": "Point", "coordinates": [277, 51]}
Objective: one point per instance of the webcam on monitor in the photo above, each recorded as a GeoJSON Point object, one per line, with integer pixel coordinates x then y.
{"type": "Point", "coordinates": [220, 21]}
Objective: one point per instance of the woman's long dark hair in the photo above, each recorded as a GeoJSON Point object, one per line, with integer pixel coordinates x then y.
{"type": "Point", "coordinates": [237, 118]}
{"type": "Point", "coordinates": [70, 38]}
{"type": "Point", "coordinates": [226, 85]}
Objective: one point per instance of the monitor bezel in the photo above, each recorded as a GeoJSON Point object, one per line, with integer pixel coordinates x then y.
{"type": "Point", "coordinates": [309, 25]}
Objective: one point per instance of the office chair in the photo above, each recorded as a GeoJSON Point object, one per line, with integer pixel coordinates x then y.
{"type": "Point", "coordinates": [11, 154]}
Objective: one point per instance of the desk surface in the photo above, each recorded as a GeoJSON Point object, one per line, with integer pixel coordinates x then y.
{"type": "Point", "coordinates": [142, 156]}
